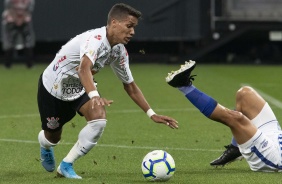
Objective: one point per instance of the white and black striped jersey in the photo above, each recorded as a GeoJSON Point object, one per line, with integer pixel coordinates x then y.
{"type": "Point", "coordinates": [60, 78]}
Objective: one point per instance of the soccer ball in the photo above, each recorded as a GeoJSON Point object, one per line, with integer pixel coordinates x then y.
{"type": "Point", "coordinates": [158, 165]}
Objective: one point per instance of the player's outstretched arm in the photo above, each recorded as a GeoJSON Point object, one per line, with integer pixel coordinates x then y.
{"type": "Point", "coordinates": [172, 123]}
{"type": "Point", "coordinates": [137, 96]}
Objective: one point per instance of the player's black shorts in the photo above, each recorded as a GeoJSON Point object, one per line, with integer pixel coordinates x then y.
{"type": "Point", "coordinates": [55, 113]}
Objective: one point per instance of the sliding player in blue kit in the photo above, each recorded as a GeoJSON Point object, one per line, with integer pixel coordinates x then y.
{"type": "Point", "coordinates": [253, 123]}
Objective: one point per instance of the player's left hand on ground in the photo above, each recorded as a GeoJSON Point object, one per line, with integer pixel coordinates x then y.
{"type": "Point", "coordinates": [172, 123]}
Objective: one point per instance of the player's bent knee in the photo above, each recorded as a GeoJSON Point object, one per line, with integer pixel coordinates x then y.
{"type": "Point", "coordinates": [244, 92]}
{"type": "Point", "coordinates": [96, 113]}
{"type": "Point", "coordinates": [53, 137]}
{"type": "Point", "coordinates": [99, 112]}
{"type": "Point", "coordinates": [91, 112]}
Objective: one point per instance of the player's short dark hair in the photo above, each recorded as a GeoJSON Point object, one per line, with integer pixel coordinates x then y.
{"type": "Point", "coordinates": [121, 10]}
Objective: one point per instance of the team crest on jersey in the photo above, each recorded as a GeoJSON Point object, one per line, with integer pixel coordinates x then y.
{"type": "Point", "coordinates": [98, 37]}
{"type": "Point", "coordinates": [53, 122]}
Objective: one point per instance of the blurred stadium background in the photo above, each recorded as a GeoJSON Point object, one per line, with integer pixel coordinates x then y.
{"type": "Point", "coordinates": [213, 31]}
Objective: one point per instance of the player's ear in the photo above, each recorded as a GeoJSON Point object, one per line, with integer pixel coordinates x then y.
{"type": "Point", "coordinates": [114, 22]}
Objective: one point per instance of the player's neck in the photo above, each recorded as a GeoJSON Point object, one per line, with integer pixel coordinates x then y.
{"type": "Point", "coordinates": [110, 37]}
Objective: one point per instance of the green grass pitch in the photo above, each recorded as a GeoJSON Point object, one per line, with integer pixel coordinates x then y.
{"type": "Point", "coordinates": [130, 134]}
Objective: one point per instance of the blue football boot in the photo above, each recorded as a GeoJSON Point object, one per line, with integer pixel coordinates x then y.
{"type": "Point", "coordinates": [47, 159]}
{"type": "Point", "coordinates": [65, 169]}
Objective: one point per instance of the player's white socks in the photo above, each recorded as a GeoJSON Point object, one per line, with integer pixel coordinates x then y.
{"type": "Point", "coordinates": [43, 141]}
{"type": "Point", "coordinates": [87, 139]}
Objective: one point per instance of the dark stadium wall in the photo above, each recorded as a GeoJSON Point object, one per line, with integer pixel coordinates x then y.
{"type": "Point", "coordinates": [163, 20]}
{"type": "Point", "coordinates": [168, 29]}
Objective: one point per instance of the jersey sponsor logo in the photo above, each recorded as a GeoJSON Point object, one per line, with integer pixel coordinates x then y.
{"type": "Point", "coordinates": [56, 66]}
{"type": "Point", "coordinates": [71, 86]}
{"type": "Point", "coordinates": [98, 37]}
{"type": "Point", "coordinates": [53, 122]}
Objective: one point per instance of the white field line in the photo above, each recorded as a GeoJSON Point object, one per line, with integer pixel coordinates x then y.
{"type": "Point", "coordinates": [267, 97]}
{"type": "Point", "coordinates": [116, 146]}
{"type": "Point", "coordinates": [110, 112]}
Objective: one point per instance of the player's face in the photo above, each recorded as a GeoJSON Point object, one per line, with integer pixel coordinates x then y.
{"type": "Point", "coordinates": [125, 29]}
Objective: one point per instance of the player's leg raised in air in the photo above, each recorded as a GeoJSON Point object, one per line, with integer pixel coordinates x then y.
{"type": "Point", "coordinates": [253, 124]}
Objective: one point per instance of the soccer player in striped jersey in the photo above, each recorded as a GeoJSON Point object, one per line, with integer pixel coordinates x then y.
{"type": "Point", "coordinates": [66, 87]}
